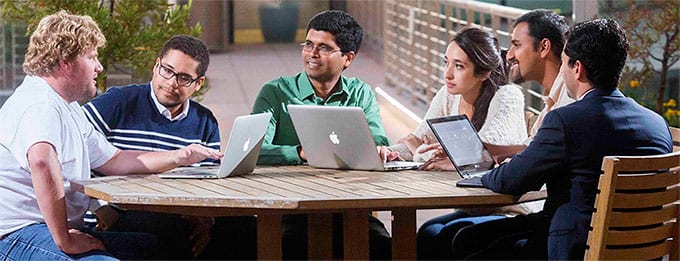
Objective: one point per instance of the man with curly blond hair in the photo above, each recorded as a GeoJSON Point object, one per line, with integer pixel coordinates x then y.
{"type": "Point", "coordinates": [47, 142]}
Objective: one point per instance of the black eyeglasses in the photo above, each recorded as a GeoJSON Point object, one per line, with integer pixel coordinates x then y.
{"type": "Point", "coordinates": [182, 79]}
{"type": "Point", "coordinates": [324, 50]}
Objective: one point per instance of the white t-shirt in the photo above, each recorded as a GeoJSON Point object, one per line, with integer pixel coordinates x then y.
{"type": "Point", "coordinates": [36, 113]}
{"type": "Point", "coordinates": [504, 124]}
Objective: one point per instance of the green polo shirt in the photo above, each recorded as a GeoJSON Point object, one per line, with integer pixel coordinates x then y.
{"type": "Point", "coordinates": [280, 141]}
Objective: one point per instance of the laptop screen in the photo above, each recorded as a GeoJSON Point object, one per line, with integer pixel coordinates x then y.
{"type": "Point", "coordinates": [460, 141]}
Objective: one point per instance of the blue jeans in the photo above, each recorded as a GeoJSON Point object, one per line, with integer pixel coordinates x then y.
{"type": "Point", "coordinates": [35, 242]}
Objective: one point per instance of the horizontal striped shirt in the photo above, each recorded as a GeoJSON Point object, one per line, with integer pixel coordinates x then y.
{"type": "Point", "coordinates": [129, 119]}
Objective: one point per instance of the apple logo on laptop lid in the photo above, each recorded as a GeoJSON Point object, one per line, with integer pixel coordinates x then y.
{"type": "Point", "coordinates": [246, 145]}
{"type": "Point", "coordinates": [334, 138]}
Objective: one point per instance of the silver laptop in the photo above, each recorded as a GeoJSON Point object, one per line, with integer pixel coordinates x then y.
{"type": "Point", "coordinates": [339, 138]}
{"type": "Point", "coordinates": [464, 148]}
{"type": "Point", "coordinates": [243, 149]}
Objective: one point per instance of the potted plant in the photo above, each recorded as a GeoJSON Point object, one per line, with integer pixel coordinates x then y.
{"type": "Point", "coordinates": [279, 20]}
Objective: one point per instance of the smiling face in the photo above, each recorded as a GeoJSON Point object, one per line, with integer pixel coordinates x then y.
{"type": "Point", "coordinates": [323, 69]}
{"type": "Point", "coordinates": [82, 76]}
{"type": "Point", "coordinates": [167, 91]}
{"type": "Point", "coordinates": [460, 72]}
{"type": "Point", "coordinates": [522, 55]}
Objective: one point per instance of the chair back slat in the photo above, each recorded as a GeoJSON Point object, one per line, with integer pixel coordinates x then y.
{"type": "Point", "coordinates": [645, 200]}
{"type": "Point", "coordinates": [642, 164]}
{"type": "Point", "coordinates": [638, 219]}
{"type": "Point", "coordinates": [644, 181]}
{"type": "Point", "coordinates": [636, 209]}
{"type": "Point", "coordinates": [640, 236]}
{"type": "Point", "coordinates": [638, 253]}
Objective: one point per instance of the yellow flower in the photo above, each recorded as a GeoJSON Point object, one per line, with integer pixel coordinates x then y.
{"type": "Point", "coordinates": [672, 113]}
{"type": "Point", "coordinates": [634, 83]}
{"type": "Point", "coordinates": [670, 103]}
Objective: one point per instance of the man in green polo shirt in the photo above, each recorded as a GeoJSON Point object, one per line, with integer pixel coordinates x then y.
{"type": "Point", "coordinates": [333, 39]}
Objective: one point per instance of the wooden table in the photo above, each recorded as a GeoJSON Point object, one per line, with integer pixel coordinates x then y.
{"type": "Point", "coordinates": [271, 192]}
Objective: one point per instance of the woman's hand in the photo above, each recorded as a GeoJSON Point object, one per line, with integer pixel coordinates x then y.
{"type": "Point", "coordinates": [439, 151]}
{"type": "Point", "coordinates": [439, 160]}
{"type": "Point", "coordinates": [438, 163]}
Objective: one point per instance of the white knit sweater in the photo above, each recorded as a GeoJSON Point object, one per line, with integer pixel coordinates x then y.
{"type": "Point", "coordinates": [504, 123]}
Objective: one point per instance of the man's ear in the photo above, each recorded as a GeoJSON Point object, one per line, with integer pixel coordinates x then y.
{"type": "Point", "coordinates": [544, 47]}
{"type": "Point", "coordinates": [199, 83]}
{"type": "Point", "coordinates": [349, 57]}
{"type": "Point", "coordinates": [580, 71]}
{"type": "Point", "coordinates": [64, 64]}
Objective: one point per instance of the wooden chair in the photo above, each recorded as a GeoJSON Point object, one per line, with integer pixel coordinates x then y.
{"type": "Point", "coordinates": [675, 134]}
{"type": "Point", "coordinates": [636, 215]}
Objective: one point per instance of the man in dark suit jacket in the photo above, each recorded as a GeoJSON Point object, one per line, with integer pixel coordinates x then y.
{"type": "Point", "coordinates": [567, 152]}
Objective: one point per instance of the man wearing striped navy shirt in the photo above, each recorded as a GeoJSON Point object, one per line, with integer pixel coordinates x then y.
{"type": "Point", "coordinates": [158, 116]}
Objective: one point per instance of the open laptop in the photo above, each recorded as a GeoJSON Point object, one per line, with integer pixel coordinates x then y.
{"type": "Point", "coordinates": [339, 138]}
{"type": "Point", "coordinates": [243, 149]}
{"type": "Point", "coordinates": [464, 147]}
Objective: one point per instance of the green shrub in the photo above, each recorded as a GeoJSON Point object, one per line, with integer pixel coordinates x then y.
{"type": "Point", "coordinates": [135, 30]}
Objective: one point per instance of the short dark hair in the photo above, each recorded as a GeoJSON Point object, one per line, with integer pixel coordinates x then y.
{"type": "Point", "coordinates": [601, 46]}
{"type": "Point", "coordinates": [191, 46]}
{"type": "Point", "coordinates": [545, 24]}
{"type": "Point", "coordinates": [348, 33]}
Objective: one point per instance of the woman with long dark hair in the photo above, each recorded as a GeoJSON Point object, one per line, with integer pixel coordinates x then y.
{"type": "Point", "coordinates": [477, 86]}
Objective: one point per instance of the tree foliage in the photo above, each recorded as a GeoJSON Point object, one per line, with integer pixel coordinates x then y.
{"type": "Point", "coordinates": [135, 30]}
{"type": "Point", "coordinates": [654, 36]}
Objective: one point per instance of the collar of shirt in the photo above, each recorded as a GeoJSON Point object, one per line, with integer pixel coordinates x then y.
{"type": "Point", "coordinates": [558, 94]}
{"type": "Point", "coordinates": [556, 88]}
{"type": "Point", "coordinates": [306, 90]}
{"type": "Point", "coordinates": [164, 111]}
{"type": "Point", "coordinates": [586, 93]}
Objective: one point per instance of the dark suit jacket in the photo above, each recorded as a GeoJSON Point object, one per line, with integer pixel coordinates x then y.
{"type": "Point", "coordinates": [566, 154]}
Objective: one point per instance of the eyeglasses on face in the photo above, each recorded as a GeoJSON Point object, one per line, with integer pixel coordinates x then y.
{"type": "Point", "coordinates": [324, 50]}
{"type": "Point", "coordinates": [182, 79]}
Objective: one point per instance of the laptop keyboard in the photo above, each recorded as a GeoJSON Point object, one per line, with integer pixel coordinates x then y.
{"type": "Point", "coordinates": [400, 165]}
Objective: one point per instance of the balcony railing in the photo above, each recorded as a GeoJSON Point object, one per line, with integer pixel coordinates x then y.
{"type": "Point", "coordinates": [415, 34]}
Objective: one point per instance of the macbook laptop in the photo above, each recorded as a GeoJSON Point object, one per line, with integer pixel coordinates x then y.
{"type": "Point", "coordinates": [243, 149]}
{"type": "Point", "coordinates": [464, 148]}
{"type": "Point", "coordinates": [339, 138]}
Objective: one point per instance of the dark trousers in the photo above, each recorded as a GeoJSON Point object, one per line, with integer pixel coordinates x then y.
{"type": "Point", "coordinates": [516, 238]}
{"type": "Point", "coordinates": [171, 231]}
{"type": "Point", "coordinates": [294, 229]}
{"type": "Point", "coordinates": [230, 238]}
{"type": "Point", "coordinates": [460, 236]}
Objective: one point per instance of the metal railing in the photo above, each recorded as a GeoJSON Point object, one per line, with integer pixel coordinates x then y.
{"type": "Point", "coordinates": [415, 34]}
{"type": "Point", "coordinates": [13, 44]}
